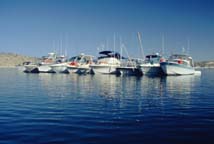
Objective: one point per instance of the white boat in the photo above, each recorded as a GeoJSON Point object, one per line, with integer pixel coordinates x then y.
{"type": "Point", "coordinates": [80, 64]}
{"type": "Point", "coordinates": [178, 64]}
{"type": "Point", "coordinates": [22, 67]}
{"type": "Point", "coordinates": [151, 65]}
{"type": "Point", "coordinates": [107, 63]}
{"type": "Point", "coordinates": [44, 66]}
{"type": "Point", "coordinates": [31, 68]}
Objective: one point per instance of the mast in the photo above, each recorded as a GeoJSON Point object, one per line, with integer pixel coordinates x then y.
{"type": "Point", "coordinates": [114, 46]}
{"type": "Point", "coordinates": [114, 42]}
{"type": "Point", "coordinates": [162, 51]}
{"type": "Point", "coordinates": [121, 49]}
{"type": "Point", "coordinates": [140, 42]}
{"type": "Point", "coordinates": [188, 46]}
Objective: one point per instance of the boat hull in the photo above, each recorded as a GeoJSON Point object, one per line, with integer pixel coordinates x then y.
{"type": "Point", "coordinates": [59, 68]}
{"type": "Point", "coordinates": [72, 68]}
{"type": "Point", "coordinates": [104, 69]}
{"type": "Point", "coordinates": [45, 69]}
{"type": "Point", "coordinates": [129, 71]}
{"type": "Point", "coordinates": [176, 69]}
{"type": "Point", "coordinates": [31, 69]}
{"type": "Point", "coordinates": [151, 70]}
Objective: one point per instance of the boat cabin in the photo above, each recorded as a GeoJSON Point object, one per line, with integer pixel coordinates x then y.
{"type": "Point", "coordinates": [182, 59]}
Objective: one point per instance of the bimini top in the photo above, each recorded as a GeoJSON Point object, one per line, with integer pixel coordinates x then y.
{"type": "Point", "coordinates": [106, 52]}
{"type": "Point", "coordinates": [110, 54]}
{"type": "Point", "coordinates": [153, 56]}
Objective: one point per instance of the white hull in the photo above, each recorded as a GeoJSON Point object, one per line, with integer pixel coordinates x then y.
{"type": "Point", "coordinates": [31, 69]}
{"type": "Point", "coordinates": [83, 69]}
{"type": "Point", "coordinates": [45, 69]}
{"type": "Point", "coordinates": [59, 68]}
{"type": "Point", "coordinates": [104, 69]}
{"type": "Point", "coordinates": [176, 69]}
{"type": "Point", "coordinates": [72, 70]}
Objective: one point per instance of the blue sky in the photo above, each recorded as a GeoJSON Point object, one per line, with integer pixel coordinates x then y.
{"type": "Point", "coordinates": [36, 27]}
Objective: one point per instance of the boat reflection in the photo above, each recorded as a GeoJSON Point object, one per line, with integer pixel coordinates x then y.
{"type": "Point", "coordinates": [54, 85]}
{"type": "Point", "coordinates": [111, 86]}
{"type": "Point", "coordinates": [180, 90]}
{"type": "Point", "coordinates": [118, 92]}
{"type": "Point", "coordinates": [140, 92]}
{"type": "Point", "coordinates": [181, 84]}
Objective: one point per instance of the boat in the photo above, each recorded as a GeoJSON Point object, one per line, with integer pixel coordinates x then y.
{"type": "Point", "coordinates": [47, 61]}
{"type": "Point", "coordinates": [21, 67]}
{"type": "Point", "coordinates": [151, 65]}
{"type": "Point", "coordinates": [80, 64]}
{"type": "Point", "coordinates": [129, 68]}
{"type": "Point", "coordinates": [178, 64]}
{"type": "Point", "coordinates": [30, 67]}
{"type": "Point", "coordinates": [60, 66]}
{"type": "Point", "coordinates": [106, 63]}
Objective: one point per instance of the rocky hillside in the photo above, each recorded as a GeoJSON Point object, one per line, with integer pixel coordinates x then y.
{"type": "Point", "coordinates": [11, 59]}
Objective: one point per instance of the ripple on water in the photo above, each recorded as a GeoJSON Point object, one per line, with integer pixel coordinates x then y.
{"type": "Point", "coordinates": [52, 108]}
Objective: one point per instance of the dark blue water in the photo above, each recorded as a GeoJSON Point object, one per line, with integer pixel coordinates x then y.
{"type": "Point", "coordinates": [70, 108]}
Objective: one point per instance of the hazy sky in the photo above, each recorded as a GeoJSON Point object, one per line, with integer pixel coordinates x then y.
{"type": "Point", "coordinates": [36, 27]}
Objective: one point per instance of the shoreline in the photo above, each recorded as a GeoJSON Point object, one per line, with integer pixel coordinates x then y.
{"type": "Point", "coordinates": [8, 66]}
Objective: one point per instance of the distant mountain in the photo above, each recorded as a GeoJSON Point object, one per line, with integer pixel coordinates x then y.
{"type": "Point", "coordinates": [12, 60]}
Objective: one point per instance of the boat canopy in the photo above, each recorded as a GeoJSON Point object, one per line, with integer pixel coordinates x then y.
{"type": "Point", "coordinates": [110, 54]}
{"type": "Point", "coordinates": [106, 52]}
{"type": "Point", "coordinates": [153, 56]}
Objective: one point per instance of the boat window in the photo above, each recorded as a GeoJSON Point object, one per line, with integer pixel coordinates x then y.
{"type": "Point", "coordinates": [72, 59]}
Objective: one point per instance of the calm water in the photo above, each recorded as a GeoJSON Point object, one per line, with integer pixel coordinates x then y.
{"type": "Point", "coordinates": [70, 108]}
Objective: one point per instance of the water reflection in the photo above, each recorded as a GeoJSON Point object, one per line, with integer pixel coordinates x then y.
{"type": "Point", "coordinates": [152, 86]}
{"type": "Point", "coordinates": [180, 90]}
{"type": "Point", "coordinates": [181, 84]}
{"type": "Point", "coordinates": [66, 84]}
{"type": "Point", "coordinates": [142, 92]}
{"type": "Point", "coordinates": [81, 84]}
{"type": "Point", "coordinates": [54, 84]}
{"type": "Point", "coordinates": [111, 86]}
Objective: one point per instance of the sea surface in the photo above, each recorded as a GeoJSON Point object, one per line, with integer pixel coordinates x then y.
{"type": "Point", "coordinates": [105, 109]}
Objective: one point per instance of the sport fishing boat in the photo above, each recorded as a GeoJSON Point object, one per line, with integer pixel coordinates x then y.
{"type": "Point", "coordinates": [80, 64]}
{"type": "Point", "coordinates": [151, 65]}
{"type": "Point", "coordinates": [106, 63]}
{"type": "Point", "coordinates": [178, 64]}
